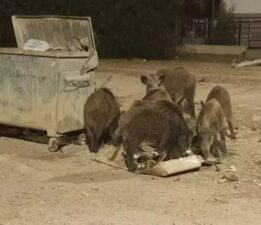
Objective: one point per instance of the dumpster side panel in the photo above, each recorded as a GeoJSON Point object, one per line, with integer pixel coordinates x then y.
{"type": "Point", "coordinates": [72, 97]}
{"type": "Point", "coordinates": [28, 91]}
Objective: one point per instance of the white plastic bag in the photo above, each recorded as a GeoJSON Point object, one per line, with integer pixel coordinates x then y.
{"type": "Point", "coordinates": [36, 45]}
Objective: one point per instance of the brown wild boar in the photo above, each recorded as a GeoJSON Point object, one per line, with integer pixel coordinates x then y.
{"type": "Point", "coordinates": [159, 123]}
{"type": "Point", "coordinates": [222, 96]}
{"type": "Point", "coordinates": [210, 124]}
{"type": "Point", "coordinates": [153, 82]}
{"type": "Point", "coordinates": [177, 82]}
{"type": "Point", "coordinates": [101, 115]}
{"type": "Point", "coordinates": [157, 95]}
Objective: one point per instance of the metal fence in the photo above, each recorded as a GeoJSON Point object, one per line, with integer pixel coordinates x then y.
{"type": "Point", "coordinates": [245, 31]}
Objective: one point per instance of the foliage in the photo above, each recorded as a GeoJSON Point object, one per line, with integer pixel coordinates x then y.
{"type": "Point", "coordinates": [225, 26]}
{"type": "Point", "coordinates": [124, 28]}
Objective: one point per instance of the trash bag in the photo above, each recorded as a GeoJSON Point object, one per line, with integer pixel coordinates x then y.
{"type": "Point", "coordinates": [36, 45]}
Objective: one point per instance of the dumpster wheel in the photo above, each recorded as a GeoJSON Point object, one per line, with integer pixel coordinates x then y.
{"type": "Point", "coordinates": [81, 139]}
{"type": "Point", "coordinates": [53, 144]}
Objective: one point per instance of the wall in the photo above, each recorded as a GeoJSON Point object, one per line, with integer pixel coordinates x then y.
{"type": "Point", "coordinates": [245, 6]}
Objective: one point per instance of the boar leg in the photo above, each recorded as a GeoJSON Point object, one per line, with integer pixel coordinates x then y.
{"type": "Point", "coordinates": [164, 149]}
{"type": "Point", "coordinates": [112, 128]}
{"type": "Point", "coordinates": [92, 141]}
{"type": "Point", "coordinates": [223, 146]}
{"type": "Point", "coordinates": [162, 156]}
{"type": "Point", "coordinates": [189, 96]}
{"type": "Point", "coordinates": [231, 129]}
{"type": "Point", "coordinates": [131, 150]}
{"type": "Point", "coordinates": [117, 137]}
{"type": "Point", "coordinates": [191, 108]}
{"type": "Point", "coordinates": [205, 149]}
{"type": "Point", "coordinates": [214, 148]}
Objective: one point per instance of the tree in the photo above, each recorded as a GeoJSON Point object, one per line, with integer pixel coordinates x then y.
{"type": "Point", "coordinates": [124, 28]}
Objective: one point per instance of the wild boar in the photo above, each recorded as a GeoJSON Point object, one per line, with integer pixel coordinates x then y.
{"type": "Point", "coordinates": [177, 82]}
{"type": "Point", "coordinates": [152, 82]}
{"type": "Point", "coordinates": [157, 95]}
{"type": "Point", "coordinates": [101, 115]}
{"type": "Point", "coordinates": [222, 96]}
{"type": "Point", "coordinates": [211, 122]}
{"type": "Point", "coordinates": [159, 123]}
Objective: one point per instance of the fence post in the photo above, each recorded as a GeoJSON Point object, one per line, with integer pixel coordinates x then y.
{"type": "Point", "coordinates": [234, 32]}
{"type": "Point", "coordinates": [205, 30]}
{"type": "Point", "coordinates": [209, 30]}
{"type": "Point", "coordinates": [239, 33]}
{"type": "Point", "coordinates": [249, 33]}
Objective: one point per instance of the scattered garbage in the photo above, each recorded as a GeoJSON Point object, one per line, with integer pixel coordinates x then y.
{"type": "Point", "coordinates": [113, 156]}
{"type": "Point", "coordinates": [212, 161]}
{"type": "Point", "coordinates": [74, 45]}
{"type": "Point", "coordinates": [78, 44]}
{"type": "Point", "coordinates": [229, 177]}
{"type": "Point", "coordinates": [246, 63]}
{"type": "Point", "coordinates": [175, 166]}
{"type": "Point", "coordinates": [36, 45]}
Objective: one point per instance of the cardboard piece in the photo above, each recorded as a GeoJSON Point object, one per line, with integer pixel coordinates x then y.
{"type": "Point", "coordinates": [112, 156]}
{"type": "Point", "coordinates": [175, 166]}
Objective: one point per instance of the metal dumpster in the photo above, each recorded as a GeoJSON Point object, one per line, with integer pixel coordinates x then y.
{"type": "Point", "coordinates": [47, 90]}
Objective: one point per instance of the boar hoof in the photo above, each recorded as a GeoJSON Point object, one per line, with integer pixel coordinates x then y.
{"type": "Point", "coordinates": [212, 161]}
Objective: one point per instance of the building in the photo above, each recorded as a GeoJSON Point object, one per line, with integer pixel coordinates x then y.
{"type": "Point", "coordinates": [245, 6]}
{"type": "Point", "coordinates": [243, 28]}
{"type": "Point", "coordinates": [248, 16]}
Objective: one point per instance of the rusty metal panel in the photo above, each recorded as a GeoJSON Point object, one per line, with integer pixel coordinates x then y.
{"type": "Point", "coordinates": [28, 91]}
{"type": "Point", "coordinates": [43, 93]}
{"type": "Point", "coordinates": [73, 92]}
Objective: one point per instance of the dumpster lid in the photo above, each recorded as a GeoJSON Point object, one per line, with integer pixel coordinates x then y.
{"type": "Point", "coordinates": [58, 31]}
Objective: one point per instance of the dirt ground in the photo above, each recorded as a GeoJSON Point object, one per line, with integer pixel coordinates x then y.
{"type": "Point", "coordinates": [68, 187]}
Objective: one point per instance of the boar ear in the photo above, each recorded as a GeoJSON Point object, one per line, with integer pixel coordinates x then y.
{"type": "Point", "coordinates": [202, 103]}
{"type": "Point", "coordinates": [144, 79]}
{"type": "Point", "coordinates": [162, 78]}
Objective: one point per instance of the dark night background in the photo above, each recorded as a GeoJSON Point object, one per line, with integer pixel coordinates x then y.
{"type": "Point", "coordinates": [123, 28]}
